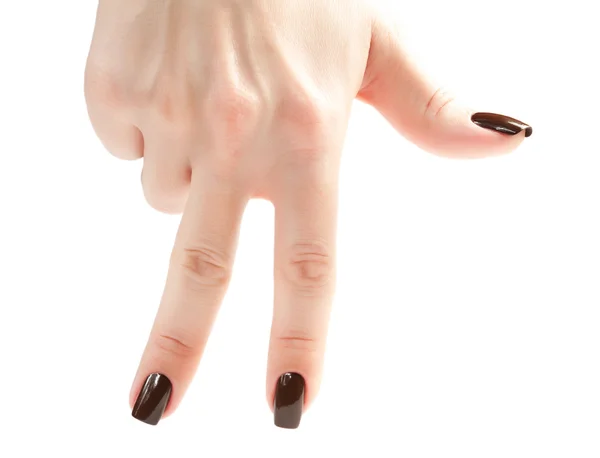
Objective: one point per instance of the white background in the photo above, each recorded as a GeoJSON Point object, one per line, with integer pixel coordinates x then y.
{"type": "Point", "coordinates": [466, 322]}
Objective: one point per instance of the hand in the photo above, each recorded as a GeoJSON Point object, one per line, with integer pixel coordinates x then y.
{"type": "Point", "coordinates": [228, 100]}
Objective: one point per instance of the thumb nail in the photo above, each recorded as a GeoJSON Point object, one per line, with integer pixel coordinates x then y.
{"type": "Point", "coordinates": [501, 123]}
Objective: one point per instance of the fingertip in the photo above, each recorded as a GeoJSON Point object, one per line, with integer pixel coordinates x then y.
{"type": "Point", "coordinates": [310, 384]}
{"type": "Point", "coordinates": [162, 378]}
{"type": "Point", "coordinates": [458, 132]}
{"type": "Point", "coordinates": [153, 399]}
{"type": "Point", "coordinates": [149, 376]}
{"type": "Point", "coordinates": [289, 400]}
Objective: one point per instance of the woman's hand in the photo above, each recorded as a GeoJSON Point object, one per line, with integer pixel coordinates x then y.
{"type": "Point", "coordinates": [227, 100]}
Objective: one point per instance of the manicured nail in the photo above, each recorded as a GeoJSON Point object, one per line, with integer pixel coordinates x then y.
{"type": "Point", "coordinates": [153, 399]}
{"type": "Point", "coordinates": [501, 123]}
{"type": "Point", "coordinates": [289, 400]}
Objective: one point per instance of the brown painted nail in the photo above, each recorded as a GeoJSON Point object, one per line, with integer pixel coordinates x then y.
{"type": "Point", "coordinates": [153, 399]}
{"type": "Point", "coordinates": [501, 123]}
{"type": "Point", "coordinates": [289, 400]}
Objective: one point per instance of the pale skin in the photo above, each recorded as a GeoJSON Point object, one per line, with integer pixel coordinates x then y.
{"type": "Point", "coordinates": [230, 100]}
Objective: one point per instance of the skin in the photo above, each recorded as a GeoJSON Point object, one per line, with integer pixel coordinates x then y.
{"type": "Point", "coordinates": [229, 100]}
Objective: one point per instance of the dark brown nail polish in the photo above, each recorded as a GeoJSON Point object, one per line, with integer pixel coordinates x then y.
{"type": "Point", "coordinates": [289, 400]}
{"type": "Point", "coordinates": [153, 399]}
{"type": "Point", "coordinates": [501, 123]}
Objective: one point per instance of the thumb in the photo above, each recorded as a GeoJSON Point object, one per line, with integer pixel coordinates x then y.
{"type": "Point", "coordinates": [426, 114]}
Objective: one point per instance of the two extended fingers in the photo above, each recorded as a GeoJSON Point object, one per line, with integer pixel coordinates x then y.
{"type": "Point", "coordinates": [305, 194]}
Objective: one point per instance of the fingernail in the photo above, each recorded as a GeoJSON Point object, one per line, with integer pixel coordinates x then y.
{"type": "Point", "coordinates": [501, 123]}
{"type": "Point", "coordinates": [153, 399]}
{"type": "Point", "coordinates": [289, 400]}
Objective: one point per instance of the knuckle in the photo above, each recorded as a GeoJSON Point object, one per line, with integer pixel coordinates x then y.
{"type": "Point", "coordinates": [233, 113]}
{"type": "Point", "coordinates": [440, 99]}
{"type": "Point", "coordinates": [205, 267]}
{"type": "Point", "coordinates": [176, 111]}
{"type": "Point", "coordinates": [174, 346]}
{"type": "Point", "coordinates": [233, 108]}
{"type": "Point", "coordinates": [309, 268]}
{"type": "Point", "coordinates": [307, 122]}
{"type": "Point", "coordinates": [305, 113]}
